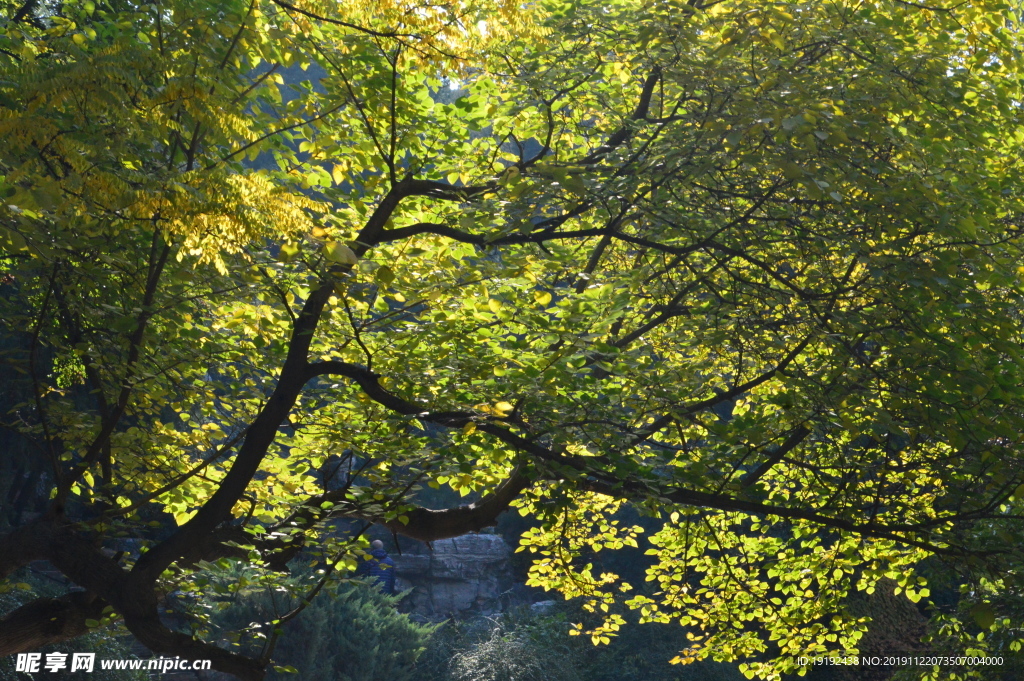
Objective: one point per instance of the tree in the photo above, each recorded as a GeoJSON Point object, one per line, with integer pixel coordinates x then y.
{"type": "Point", "coordinates": [749, 267]}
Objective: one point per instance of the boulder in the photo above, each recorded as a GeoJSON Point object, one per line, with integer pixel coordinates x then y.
{"type": "Point", "coordinates": [544, 607]}
{"type": "Point", "coordinates": [459, 577]}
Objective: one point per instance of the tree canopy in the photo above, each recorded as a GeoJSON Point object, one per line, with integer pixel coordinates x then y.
{"type": "Point", "coordinates": [753, 268]}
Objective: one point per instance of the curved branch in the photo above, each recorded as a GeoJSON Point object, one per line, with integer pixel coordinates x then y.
{"type": "Point", "coordinates": [258, 439]}
{"type": "Point", "coordinates": [426, 524]}
{"type": "Point", "coordinates": [639, 113]}
{"type": "Point", "coordinates": [337, 22]}
{"type": "Point", "coordinates": [792, 441]}
{"type": "Point", "coordinates": [430, 228]}
{"type": "Point", "coordinates": [154, 635]}
{"type": "Point", "coordinates": [45, 621]}
{"type": "Point", "coordinates": [294, 375]}
{"type": "Point", "coordinates": [627, 488]}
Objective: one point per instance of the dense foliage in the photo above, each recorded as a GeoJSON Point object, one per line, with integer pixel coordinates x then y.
{"type": "Point", "coordinates": [751, 267]}
{"type": "Point", "coordinates": [350, 633]}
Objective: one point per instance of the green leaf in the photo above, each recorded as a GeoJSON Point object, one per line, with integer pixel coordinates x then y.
{"type": "Point", "coordinates": [984, 615]}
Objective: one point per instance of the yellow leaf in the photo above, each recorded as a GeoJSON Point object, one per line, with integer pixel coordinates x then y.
{"type": "Point", "coordinates": [288, 251]}
{"type": "Point", "coordinates": [335, 251]}
{"type": "Point", "coordinates": [622, 72]}
{"type": "Point", "coordinates": [338, 174]}
{"type": "Point", "coordinates": [504, 407]}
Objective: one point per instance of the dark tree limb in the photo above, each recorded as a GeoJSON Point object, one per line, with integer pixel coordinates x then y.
{"type": "Point", "coordinates": [258, 439]}
{"type": "Point", "coordinates": [106, 583]}
{"type": "Point", "coordinates": [337, 22]}
{"type": "Point", "coordinates": [151, 632]}
{"type": "Point", "coordinates": [45, 621]}
{"type": "Point", "coordinates": [618, 137]}
{"type": "Point", "coordinates": [623, 487]}
{"type": "Point", "coordinates": [25, 12]}
{"type": "Point", "coordinates": [293, 377]}
{"type": "Point", "coordinates": [431, 525]}
{"type": "Point", "coordinates": [428, 525]}
{"type": "Point", "coordinates": [794, 439]}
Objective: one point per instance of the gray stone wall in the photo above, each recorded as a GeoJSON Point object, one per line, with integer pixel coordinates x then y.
{"type": "Point", "coordinates": [459, 577]}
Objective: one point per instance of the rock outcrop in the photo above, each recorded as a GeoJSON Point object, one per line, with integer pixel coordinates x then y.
{"type": "Point", "coordinates": [458, 577]}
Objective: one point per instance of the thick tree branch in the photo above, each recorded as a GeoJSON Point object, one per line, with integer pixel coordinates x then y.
{"type": "Point", "coordinates": [258, 439]}
{"type": "Point", "coordinates": [45, 621]}
{"type": "Point", "coordinates": [618, 137]}
{"type": "Point", "coordinates": [261, 433]}
{"type": "Point", "coordinates": [625, 487]}
{"type": "Point", "coordinates": [337, 22]}
{"type": "Point", "coordinates": [25, 12]}
{"type": "Point", "coordinates": [427, 524]}
{"type": "Point", "coordinates": [725, 502]}
{"type": "Point", "coordinates": [794, 439]}
{"type": "Point", "coordinates": [431, 525]}
{"type": "Point", "coordinates": [369, 382]}
{"type": "Point", "coordinates": [135, 598]}
{"type": "Point", "coordinates": [430, 228]}
{"type": "Point", "coordinates": [536, 237]}
{"type": "Point", "coordinates": [151, 632]}
{"type": "Point", "coordinates": [374, 231]}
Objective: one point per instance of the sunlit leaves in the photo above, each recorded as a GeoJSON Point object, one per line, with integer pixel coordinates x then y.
{"type": "Point", "coordinates": [753, 267]}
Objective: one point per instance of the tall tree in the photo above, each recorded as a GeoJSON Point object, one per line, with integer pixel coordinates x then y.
{"type": "Point", "coordinates": [750, 267]}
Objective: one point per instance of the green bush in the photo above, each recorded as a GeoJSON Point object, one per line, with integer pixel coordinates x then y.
{"type": "Point", "coordinates": [353, 633]}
